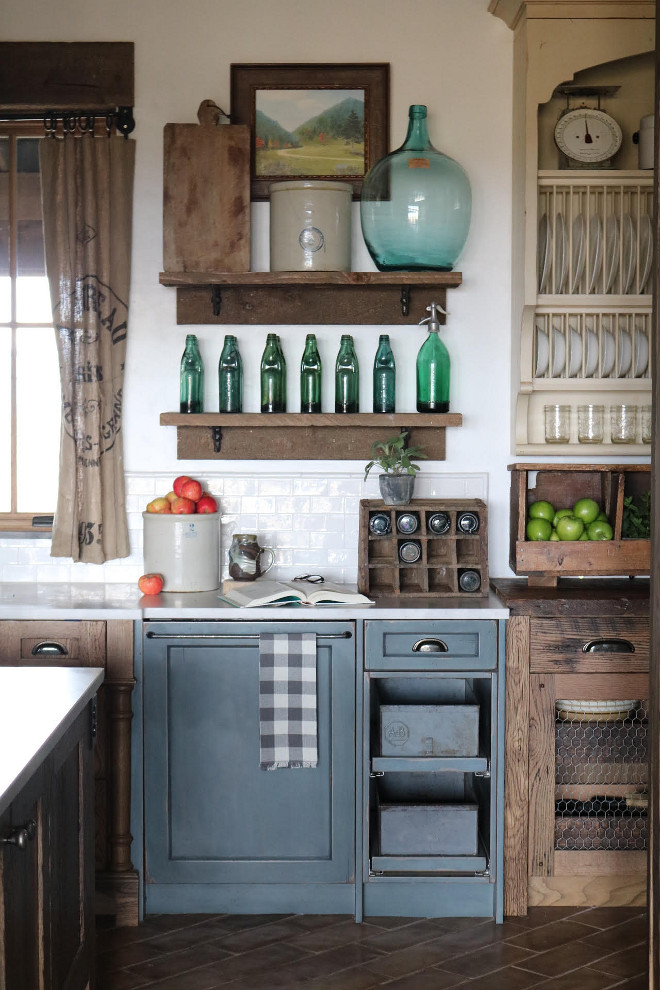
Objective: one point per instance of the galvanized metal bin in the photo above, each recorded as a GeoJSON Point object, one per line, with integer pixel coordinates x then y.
{"type": "Point", "coordinates": [428, 829]}
{"type": "Point", "coordinates": [429, 730]}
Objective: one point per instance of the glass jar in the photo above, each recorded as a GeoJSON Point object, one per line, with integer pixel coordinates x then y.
{"type": "Point", "coordinates": [415, 205]}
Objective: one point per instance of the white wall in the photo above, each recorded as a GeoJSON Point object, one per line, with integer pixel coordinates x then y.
{"type": "Point", "coordinates": [451, 55]}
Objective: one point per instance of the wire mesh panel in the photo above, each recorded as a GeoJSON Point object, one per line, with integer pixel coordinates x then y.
{"type": "Point", "coordinates": [601, 767]}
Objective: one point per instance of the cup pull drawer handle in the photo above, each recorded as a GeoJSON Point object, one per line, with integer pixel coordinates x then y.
{"type": "Point", "coordinates": [48, 649]}
{"type": "Point", "coordinates": [430, 646]}
{"type": "Point", "coordinates": [608, 646]}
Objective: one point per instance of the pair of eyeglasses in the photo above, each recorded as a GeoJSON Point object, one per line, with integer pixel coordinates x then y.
{"type": "Point", "coordinates": [310, 578]}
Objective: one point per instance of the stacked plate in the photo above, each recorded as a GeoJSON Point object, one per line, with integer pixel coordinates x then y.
{"type": "Point", "coordinates": [595, 711]}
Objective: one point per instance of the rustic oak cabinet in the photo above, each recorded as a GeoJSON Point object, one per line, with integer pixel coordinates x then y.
{"type": "Point", "coordinates": [82, 643]}
{"type": "Point", "coordinates": [576, 743]}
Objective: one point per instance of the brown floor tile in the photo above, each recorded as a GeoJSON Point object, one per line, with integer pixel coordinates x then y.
{"type": "Point", "coordinates": [119, 979]}
{"type": "Point", "coordinates": [253, 938]}
{"type": "Point", "coordinates": [415, 958]}
{"type": "Point", "coordinates": [551, 935]}
{"type": "Point", "coordinates": [402, 938]}
{"type": "Point", "coordinates": [509, 978]}
{"type": "Point", "coordinates": [537, 916]}
{"type": "Point", "coordinates": [430, 979]}
{"type": "Point", "coordinates": [606, 917]}
{"type": "Point", "coordinates": [487, 960]}
{"type": "Point", "coordinates": [637, 983]}
{"type": "Point", "coordinates": [625, 963]}
{"type": "Point", "coordinates": [580, 979]}
{"type": "Point", "coordinates": [180, 962]}
{"type": "Point", "coordinates": [555, 961]}
{"type": "Point", "coordinates": [358, 978]}
{"type": "Point", "coordinates": [197, 979]}
{"type": "Point", "coordinates": [126, 955]}
{"type": "Point", "coordinates": [631, 932]}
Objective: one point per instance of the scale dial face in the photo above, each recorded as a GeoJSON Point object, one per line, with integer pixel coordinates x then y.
{"type": "Point", "coordinates": [588, 135]}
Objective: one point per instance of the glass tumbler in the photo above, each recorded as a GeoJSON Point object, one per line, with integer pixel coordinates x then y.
{"type": "Point", "coordinates": [590, 424]}
{"type": "Point", "coordinates": [557, 424]}
{"type": "Point", "coordinates": [623, 423]}
{"type": "Point", "coordinates": [647, 424]}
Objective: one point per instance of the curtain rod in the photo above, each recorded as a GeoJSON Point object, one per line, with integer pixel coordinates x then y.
{"type": "Point", "coordinates": [120, 118]}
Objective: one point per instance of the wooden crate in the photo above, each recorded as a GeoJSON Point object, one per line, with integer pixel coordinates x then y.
{"type": "Point", "coordinates": [436, 573]}
{"type": "Point", "coordinates": [562, 485]}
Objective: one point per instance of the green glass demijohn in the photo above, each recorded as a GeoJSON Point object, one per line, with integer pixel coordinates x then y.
{"type": "Point", "coordinates": [415, 205]}
{"type": "Point", "coordinates": [433, 368]}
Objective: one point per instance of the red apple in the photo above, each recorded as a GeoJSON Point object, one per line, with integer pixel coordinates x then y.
{"type": "Point", "coordinates": [171, 496]}
{"type": "Point", "coordinates": [192, 490]}
{"type": "Point", "coordinates": [150, 584]}
{"type": "Point", "coordinates": [159, 504]}
{"type": "Point", "coordinates": [183, 506]}
{"type": "Point", "coordinates": [207, 503]}
{"type": "Point", "coordinates": [178, 483]}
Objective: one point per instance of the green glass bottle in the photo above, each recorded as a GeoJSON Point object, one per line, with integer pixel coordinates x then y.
{"type": "Point", "coordinates": [433, 368]}
{"type": "Point", "coordinates": [273, 377]}
{"type": "Point", "coordinates": [230, 377]}
{"type": "Point", "coordinates": [347, 377]}
{"type": "Point", "coordinates": [191, 378]}
{"type": "Point", "coordinates": [310, 377]}
{"type": "Point", "coordinates": [384, 376]}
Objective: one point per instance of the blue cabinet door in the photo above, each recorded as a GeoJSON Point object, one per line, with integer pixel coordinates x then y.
{"type": "Point", "coordinates": [212, 816]}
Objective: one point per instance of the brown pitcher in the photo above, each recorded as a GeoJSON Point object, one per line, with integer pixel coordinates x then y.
{"type": "Point", "coordinates": [245, 557]}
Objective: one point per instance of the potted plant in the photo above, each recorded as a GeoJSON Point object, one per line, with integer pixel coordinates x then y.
{"type": "Point", "coordinates": [397, 481]}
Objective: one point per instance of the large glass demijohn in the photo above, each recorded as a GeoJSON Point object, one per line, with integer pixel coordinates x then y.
{"type": "Point", "coordinates": [415, 205]}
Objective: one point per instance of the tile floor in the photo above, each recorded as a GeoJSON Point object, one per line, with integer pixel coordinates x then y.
{"type": "Point", "coordinates": [560, 948]}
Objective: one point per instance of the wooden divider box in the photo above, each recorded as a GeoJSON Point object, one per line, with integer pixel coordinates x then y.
{"type": "Point", "coordinates": [562, 485]}
{"type": "Point", "coordinates": [449, 564]}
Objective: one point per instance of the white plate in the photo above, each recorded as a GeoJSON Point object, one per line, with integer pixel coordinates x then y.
{"type": "Point", "coordinates": [542, 350]}
{"type": "Point", "coordinates": [595, 251]}
{"type": "Point", "coordinates": [628, 251]}
{"type": "Point", "coordinates": [579, 232]}
{"type": "Point", "coordinates": [591, 362]}
{"type": "Point", "coordinates": [608, 352]}
{"type": "Point", "coordinates": [561, 253]}
{"type": "Point", "coordinates": [625, 354]}
{"type": "Point", "coordinates": [574, 353]}
{"type": "Point", "coordinates": [558, 352]}
{"type": "Point", "coordinates": [645, 250]}
{"type": "Point", "coordinates": [544, 252]}
{"type": "Point", "coordinates": [641, 353]}
{"type": "Point", "coordinates": [611, 251]}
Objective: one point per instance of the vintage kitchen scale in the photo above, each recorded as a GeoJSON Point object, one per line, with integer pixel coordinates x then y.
{"type": "Point", "coordinates": [586, 136]}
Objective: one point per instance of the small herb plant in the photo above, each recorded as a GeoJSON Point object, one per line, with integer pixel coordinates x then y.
{"type": "Point", "coordinates": [394, 457]}
{"type": "Point", "coordinates": [636, 521]}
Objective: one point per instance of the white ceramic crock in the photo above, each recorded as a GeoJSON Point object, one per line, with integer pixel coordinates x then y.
{"type": "Point", "coordinates": [184, 549]}
{"type": "Point", "coordinates": [310, 226]}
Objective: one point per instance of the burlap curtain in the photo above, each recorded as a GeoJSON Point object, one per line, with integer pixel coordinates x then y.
{"type": "Point", "coordinates": [87, 194]}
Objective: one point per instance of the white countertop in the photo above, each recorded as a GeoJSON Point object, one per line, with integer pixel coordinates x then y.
{"type": "Point", "coordinates": [37, 706]}
{"type": "Point", "coordinates": [23, 600]}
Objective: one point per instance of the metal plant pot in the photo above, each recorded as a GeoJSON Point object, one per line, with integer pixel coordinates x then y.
{"type": "Point", "coordinates": [396, 489]}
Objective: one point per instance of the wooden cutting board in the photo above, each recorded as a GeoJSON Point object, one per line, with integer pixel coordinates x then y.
{"type": "Point", "coordinates": [206, 198]}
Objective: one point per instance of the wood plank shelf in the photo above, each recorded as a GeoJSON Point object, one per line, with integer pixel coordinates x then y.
{"type": "Point", "coordinates": [302, 436]}
{"type": "Point", "coordinates": [319, 298]}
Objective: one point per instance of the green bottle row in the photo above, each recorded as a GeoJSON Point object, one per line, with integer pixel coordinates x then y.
{"type": "Point", "coordinates": [432, 376]}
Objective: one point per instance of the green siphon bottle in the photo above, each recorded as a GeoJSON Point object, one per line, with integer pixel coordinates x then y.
{"type": "Point", "coordinates": [230, 377]}
{"type": "Point", "coordinates": [384, 383]}
{"type": "Point", "coordinates": [310, 377]}
{"type": "Point", "coordinates": [273, 377]}
{"type": "Point", "coordinates": [433, 367]}
{"type": "Point", "coordinates": [191, 378]}
{"type": "Point", "coordinates": [347, 377]}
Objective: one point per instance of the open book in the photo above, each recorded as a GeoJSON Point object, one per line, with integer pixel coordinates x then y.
{"type": "Point", "coordinates": [262, 592]}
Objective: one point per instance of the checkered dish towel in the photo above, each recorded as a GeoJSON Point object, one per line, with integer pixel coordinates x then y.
{"type": "Point", "coordinates": [287, 700]}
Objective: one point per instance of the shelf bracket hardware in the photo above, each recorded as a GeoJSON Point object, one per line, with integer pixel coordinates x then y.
{"type": "Point", "coordinates": [216, 299]}
{"type": "Point", "coordinates": [483, 773]}
{"type": "Point", "coordinates": [216, 433]}
{"type": "Point", "coordinates": [405, 300]}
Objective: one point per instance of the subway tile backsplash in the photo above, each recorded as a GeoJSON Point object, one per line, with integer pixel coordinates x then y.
{"type": "Point", "coordinates": [310, 519]}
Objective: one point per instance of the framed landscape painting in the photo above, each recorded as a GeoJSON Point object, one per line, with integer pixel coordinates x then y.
{"type": "Point", "coordinates": [312, 121]}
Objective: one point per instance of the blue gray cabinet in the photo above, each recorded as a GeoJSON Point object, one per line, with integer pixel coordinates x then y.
{"type": "Point", "coordinates": [429, 825]}
{"type": "Point", "coordinates": [222, 835]}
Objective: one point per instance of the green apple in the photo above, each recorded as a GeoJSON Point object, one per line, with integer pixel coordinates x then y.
{"type": "Point", "coordinates": [585, 536]}
{"type": "Point", "coordinates": [586, 509]}
{"type": "Point", "coordinates": [538, 529]}
{"type": "Point", "coordinates": [559, 514]}
{"type": "Point", "coordinates": [602, 515]}
{"type": "Point", "coordinates": [570, 528]}
{"type": "Point", "coordinates": [553, 536]}
{"type": "Point", "coordinates": [541, 510]}
{"type": "Point", "coordinates": [599, 529]}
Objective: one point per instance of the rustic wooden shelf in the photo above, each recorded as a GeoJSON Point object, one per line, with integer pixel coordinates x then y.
{"type": "Point", "coordinates": [321, 298]}
{"type": "Point", "coordinates": [302, 436]}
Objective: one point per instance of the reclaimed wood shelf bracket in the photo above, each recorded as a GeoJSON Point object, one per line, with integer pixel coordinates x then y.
{"type": "Point", "coordinates": [322, 298]}
{"type": "Point", "coordinates": [302, 436]}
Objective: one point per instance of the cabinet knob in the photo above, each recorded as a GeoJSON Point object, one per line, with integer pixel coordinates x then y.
{"type": "Point", "coordinates": [21, 836]}
{"type": "Point", "coordinates": [608, 646]}
{"type": "Point", "coordinates": [430, 646]}
{"type": "Point", "coordinates": [48, 649]}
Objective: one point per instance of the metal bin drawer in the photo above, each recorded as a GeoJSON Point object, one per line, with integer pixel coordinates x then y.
{"type": "Point", "coordinates": [428, 829]}
{"type": "Point", "coordinates": [429, 730]}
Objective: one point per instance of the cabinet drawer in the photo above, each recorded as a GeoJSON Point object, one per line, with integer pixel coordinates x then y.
{"type": "Point", "coordinates": [595, 645]}
{"type": "Point", "coordinates": [60, 643]}
{"type": "Point", "coordinates": [469, 644]}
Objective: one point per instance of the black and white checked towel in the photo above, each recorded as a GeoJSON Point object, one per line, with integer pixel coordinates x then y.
{"type": "Point", "coordinates": [287, 700]}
